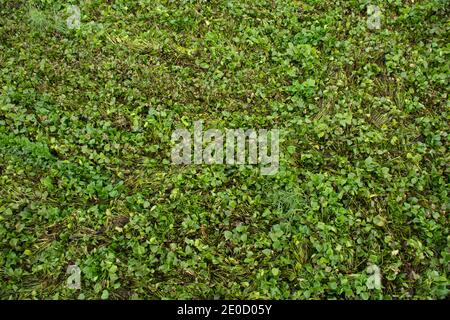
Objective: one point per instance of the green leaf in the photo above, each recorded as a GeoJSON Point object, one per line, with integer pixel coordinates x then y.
{"type": "Point", "coordinates": [105, 294]}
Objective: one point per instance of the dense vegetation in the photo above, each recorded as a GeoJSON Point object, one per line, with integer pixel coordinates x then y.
{"type": "Point", "coordinates": [86, 117]}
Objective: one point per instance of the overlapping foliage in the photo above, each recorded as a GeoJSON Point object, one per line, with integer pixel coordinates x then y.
{"type": "Point", "coordinates": [86, 117]}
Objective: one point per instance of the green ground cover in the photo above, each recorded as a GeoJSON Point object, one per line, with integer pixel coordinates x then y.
{"type": "Point", "coordinates": [86, 117]}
